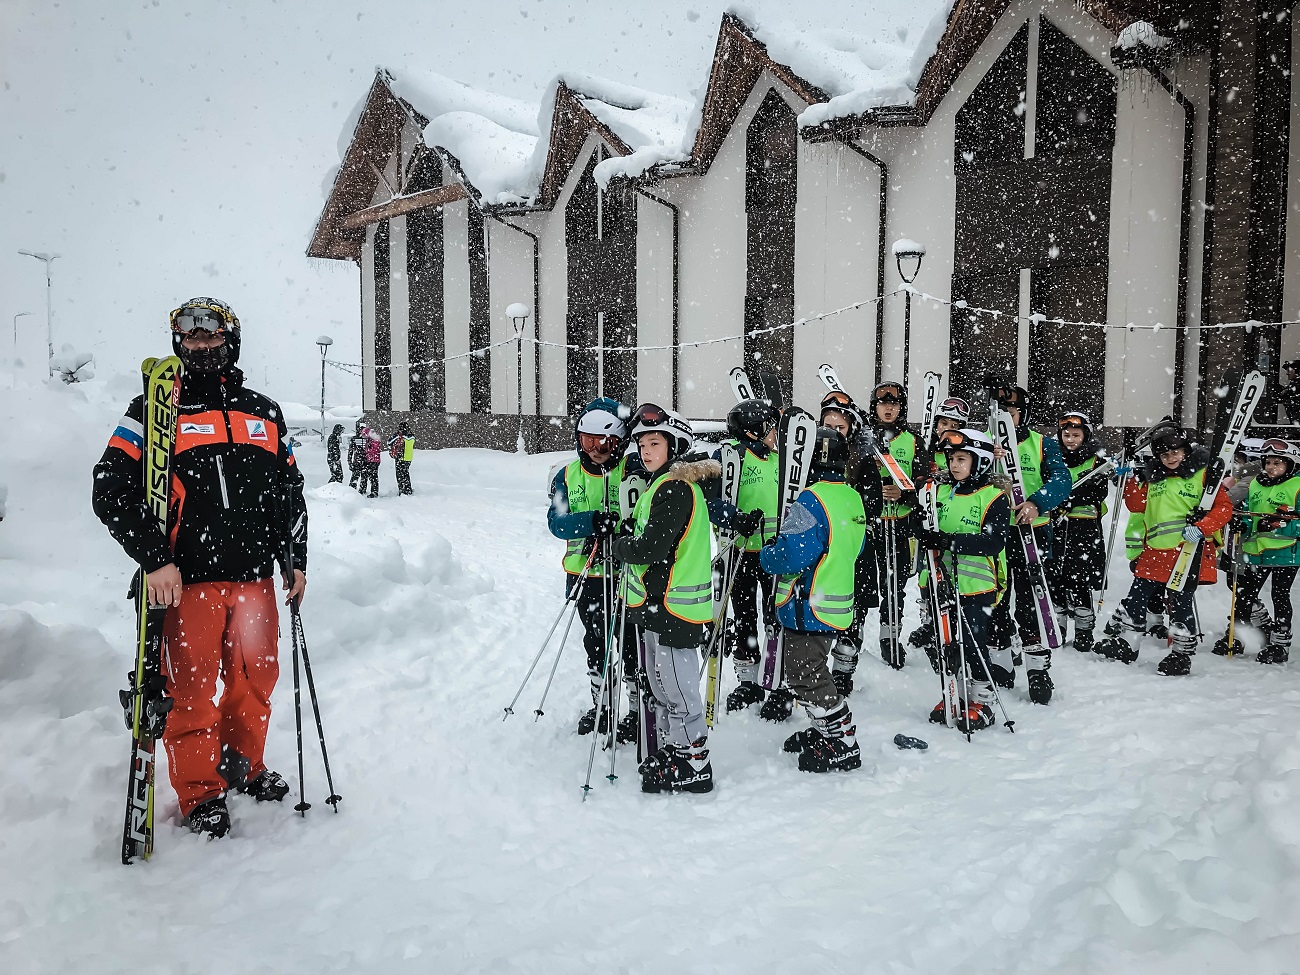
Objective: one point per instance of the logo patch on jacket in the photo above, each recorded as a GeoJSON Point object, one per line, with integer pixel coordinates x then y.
{"type": "Point", "coordinates": [207, 428]}
{"type": "Point", "coordinates": [256, 429]}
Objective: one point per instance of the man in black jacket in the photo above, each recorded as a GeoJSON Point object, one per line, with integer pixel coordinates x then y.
{"type": "Point", "coordinates": [236, 497]}
{"type": "Point", "coordinates": [333, 454]}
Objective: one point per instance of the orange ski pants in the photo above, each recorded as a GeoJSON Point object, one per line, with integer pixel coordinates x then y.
{"type": "Point", "coordinates": [226, 632]}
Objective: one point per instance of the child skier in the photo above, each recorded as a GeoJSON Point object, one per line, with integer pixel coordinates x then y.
{"type": "Point", "coordinates": [583, 511]}
{"type": "Point", "coordinates": [974, 519]}
{"type": "Point", "coordinates": [1168, 502]}
{"type": "Point", "coordinates": [841, 414]}
{"type": "Point", "coordinates": [1270, 544]}
{"type": "Point", "coordinates": [667, 585]}
{"type": "Point", "coordinates": [1080, 548]}
{"type": "Point", "coordinates": [821, 538]}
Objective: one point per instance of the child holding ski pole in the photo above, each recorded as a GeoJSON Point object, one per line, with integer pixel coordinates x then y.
{"type": "Point", "coordinates": [1270, 546]}
{"type": "Point", "coordinates": [1082, 550]}
{"type": "Point", "coordinates": [668, 589]}
{"type": "Point", "coordinates": [974, 519]}
{"type": "Point", "coordinates": [815, 553]}
{"type": "Point", "coordinates": [1169, 501]}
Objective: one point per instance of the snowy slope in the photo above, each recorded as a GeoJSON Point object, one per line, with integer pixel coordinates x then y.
{"type": "Point", "coordinates": [1140, 824]}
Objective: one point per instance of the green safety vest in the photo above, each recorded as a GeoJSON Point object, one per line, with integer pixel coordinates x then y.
{"type": "Point", "coordinates": [1267, 500]}
{"type": "Point", "coordinates": [689, 595]}
{"type": "Point", "coordinates": [903, 449]}
{"type": "Point", "coordinates": [963, 514]}
{"type": "Point", "coordinates": [408, 449]}
{"type": "Point", "coordinates": [831, 596]}
{"type": "Point", "coordinates": [1084, 510]}
{"type": "Point", "coordinates": [1030, 452]}
{"type": "Point", "coordinates": [759, 488]}
{"type": "Point", "coordinates": [1169, 502]}
{"type": "Point", "coordinates": [1134, 531]}
{"type": "Point", "coordinates": [584, 492]}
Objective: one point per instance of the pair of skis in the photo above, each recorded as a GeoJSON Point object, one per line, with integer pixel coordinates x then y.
{"type": "Point", "coordinates": [722, 585]}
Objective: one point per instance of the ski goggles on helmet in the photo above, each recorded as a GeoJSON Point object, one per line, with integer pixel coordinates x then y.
{"type": "Point", "coordinates": [889, 396]}
{"type": "Point", "coordinates": [204, 318]}
{"type": "Point", "coordinates": [649, 415]}
{"type": "Point", "coordinates": [1276, 447]}
{"type": "Point", "coordinates": [836, 398]}
{"type": "Point", "coordinates": [953, 408]}
{"type": "Point", "coordinates": [1072, 421]}
{"type": "Point", "coordinates": [591, 441]}
{"type": "Point", "coordinates": [951, 440]}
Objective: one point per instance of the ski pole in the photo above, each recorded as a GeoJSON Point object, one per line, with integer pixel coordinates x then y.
{"type": "Point", "coordinates": [564, 639]}
{"type": "Point", "coordinates": [1110, 542]}
{"type": "Point", "coordinates": [334, 797]}
{"type": "Point", "coordinates": [600, 700]}
{"type": "Point", "coordinates": [303, 804]}
{"type": "Point", "coordinates": [616, 691]}
{"type": "Point", "coordinates": [572, 597]}
{"type": "Point", "coordinates": [1010, 725]}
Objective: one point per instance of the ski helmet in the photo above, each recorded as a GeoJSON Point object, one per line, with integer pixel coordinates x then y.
{"type": "Point", "coordinates": [1169, 438]}
{"type": "Point", "coordinates": [1017, 396]}
{"type": "Point", "coordinates": [1284, 449]}
{"type": "Point", "coordinates": [830, 451]}
{"type": "Point", "coordinates": [601, 419]}
{"type": "Point", "coordinates": [650, 418]}
{"type": "Point", "coordinates": [1076, 421]}
{"type": "Point", "coordinates": [838, 401]}
{"type": "Point", "coordinates": [954, 408]}
{"type": "Point", "coordinates": [751, 420]}
{"type": "Point", "coordinates": [214, 317]}
{"type": "Point", "coordinates": [975, 443]}
{"type": "Point", "coordinates": [890, 392]}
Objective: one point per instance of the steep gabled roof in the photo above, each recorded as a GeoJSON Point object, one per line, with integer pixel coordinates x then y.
{"type": "Point", "coordinates": [376, 133]}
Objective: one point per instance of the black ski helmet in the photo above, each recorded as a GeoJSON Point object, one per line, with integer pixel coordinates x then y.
{"type": "Point", "coordinates": [208, 315]}
{"type": "Point", "coordinates": [890, 392]}
{"type": "Point", "coordinates": [1017, 396]}
{"type": "Point", "coordinates": [751, 420]}
{"type": "Point", "coordinates": [830, 451]}
{"type": "Point", "coordinates": [1169, 437]}
{"type": "Point", "coordinates": [838, 401]}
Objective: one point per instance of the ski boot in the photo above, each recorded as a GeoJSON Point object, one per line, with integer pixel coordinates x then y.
{"type": "Point", "coordinates": [679, 769]}
{"type": "Point", "coordinates": [266, 786]}
{"type": "Point", "coordinates": [1084, 641]}
{"type": "Point", "coordinates": [745, 694]}
{"type": "Point", "coordinates": [1221, 648]}
{"type": "Point", "coordinates": [210, 817]}
{"type": "Point", "coordinates": [1179, 661]}
{"type": "Point", "coordinates": [800, 740]}
{"type": "Point", "coordinates": [1040, 686]}
{"type": "Point", "coordinates": [778, 707]}
{"type": "Point", "coordinates": [976, 717]}
{"type": "Point", "coordinates": [629, 728]}
{"type": "Point", "coordinates": [832, 746]}
{"type": "Point", "coordinates": [1084, 621]}
{"type": "Point", "coordinates": [922, 636]}
{"type": "Point", "coordinates": [844, 661]}
{"type": "Point", "coordinates": [588, 722]}
{"type": "Point", "coordinates": [999, 659]}
{"type": "Point", "coordinates": [1278, 648]}
{"type": "Point", "coordinates": [1114, 646]}
{"type": "Point", "coordinates": [843, 682]}
{"type": "Point", "coordinates": [895, 658]}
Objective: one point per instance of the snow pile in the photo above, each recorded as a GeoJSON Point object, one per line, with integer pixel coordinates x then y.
{"type": "Point", "coordinates": [73, 366]}
{"type": "Point", "coordinates": [874, 67]}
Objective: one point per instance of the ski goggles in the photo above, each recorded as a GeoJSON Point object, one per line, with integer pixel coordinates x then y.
{"type": "Point", "coordinates": [954, 405]}
{"type": "Point", "coordinates": [1071, 423]}
{"type": "Point", "coordinates": [951, 440]}
{"type": "Point", "coordinates": [1277, 448]}
{"type": "Point", "coordinates": [836, 398]}
{"type": "Point", "coordinates": [591, 441]}
{"type": "Point", "coordinates": [188, 318]}
{"type": "Point", "coordinates": [889, 397]}
{"type": "Point", "coordinates": [649, 415]}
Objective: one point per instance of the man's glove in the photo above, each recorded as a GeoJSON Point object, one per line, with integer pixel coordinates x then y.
{"type": "Point", "coordinates": [748, 522]}
{"type": "Point", "coordinates": [1192, 534]}
{"type": "Point", "coordinates": [604, 524]}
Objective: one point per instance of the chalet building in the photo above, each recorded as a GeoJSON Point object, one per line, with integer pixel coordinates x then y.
{"type": "Point", "coordinates": [1125, 162]}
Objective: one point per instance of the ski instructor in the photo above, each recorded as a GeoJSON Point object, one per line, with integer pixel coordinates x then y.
{"type": "Point", "coordinates": [235, 492]}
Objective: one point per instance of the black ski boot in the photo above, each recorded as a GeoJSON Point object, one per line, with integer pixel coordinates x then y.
{"type": "Point", "coordinates": [1040, 686]}
{"type": "Point", "coordinates": [1001, 676]}
{"type": "Point", "coordinates": [832, 746]}
{"type": "Point", "coordinates": [1083, 641]}
{"type": "Point", "coordinates": [588, 721]}
{"type": "Point", "coordinates": [887, 654]}
{"type": "Point", "coordinates": [1117, 648]}
{"type": "Point", "coordinates": [1177, 664]}
{"type": "Point", "coordinates": [778, 707]}
{"type": "Point", "coordinates": [799, 740]}
{"type": "Point", "coordinates": [843, 682]}
{"type": "Point", "coordinates": [629, 728]}
{"type": "Point", "coordinates": [210, 817]}
{"type": "Point", "coordinates": [1278, 648]}
{"type": "Point", "coordinates": [266, 786]}
{"type": "Point", "coordinates": [745, 694]}
{"type": "Point", "coordinates": [1221, 648]}
{"type": "Point", "coordinates": [681, 770]}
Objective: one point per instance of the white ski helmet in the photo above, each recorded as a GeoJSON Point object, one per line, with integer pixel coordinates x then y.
{"type": "Point", "coordinates": [650, 418]}
{"type": "Point", "coordinates": [954, 408]}
{"type": "Point", "coordinates": [1284, 449]}
{"type": "Point", "coordinates": [602, 423]}
{"type": "Point", "coordinates": [974, 442]}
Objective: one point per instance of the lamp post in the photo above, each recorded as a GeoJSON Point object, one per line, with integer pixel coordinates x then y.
{"type": "Point", "coordinates": [49, 303]}
{"type": "Point", "coordinates": [518, 313]}
{"type": "Point", "coordinates": [14, 362]}
{"type": "Point", "coordinates": [907, 255]}
{"type": "Point", "coordinates": [323, 342]}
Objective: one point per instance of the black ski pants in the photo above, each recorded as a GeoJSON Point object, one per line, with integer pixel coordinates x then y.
{"type": "Point", "coordinates": [751, 585]}
{"type": "Point", "coordinates": [403, 468]}
{"type": "Point", "coordinates": [976, 619]}
{"type": "Point", "coordinates": [369, 484]}
{"type": "Point", "coordinates": [892, 572]}
{"type": "Point", "coordinates": [592, 601]}
{"type": "Point", "coordinates": [1250, 583]}
{"type": "Point", "coordinates": [1180, 606]}
{"type": "Point", "coordinates": [1020, 591]}
{"type": "Point", "coordinates": [336, 469]}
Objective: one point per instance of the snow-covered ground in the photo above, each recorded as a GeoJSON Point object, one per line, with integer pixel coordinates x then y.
{"type": "Point", "coordinates": [1139, 824]}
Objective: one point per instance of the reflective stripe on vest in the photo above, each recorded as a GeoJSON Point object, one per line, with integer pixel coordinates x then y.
{"type": "Point", "coordinates": [1134, 530]}
{"type": "Point", "coordinates": [1267, 500]}
{"type": "Point", "coordinates": [584, 491]}
{"type": "Point", "coordinates": [964, 514]}
{"type": "Point", "coordinates": [759, 488]}
{"type": "Point", "coordinates": [831, 595]}
{"type": "Point", "coordinates": [903, 449]}
{"type": "Point", "coordinates": [689, 594]}
{"type": "Point", "coordinates": [1169, 502]}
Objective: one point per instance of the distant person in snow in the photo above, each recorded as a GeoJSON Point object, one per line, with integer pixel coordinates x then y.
{"type": "Point", "coordinates": [1289, 396]}
{"type": "Point", "coordinates": [373, 449]}
{"type": "Point", "coordinates": [401, 447]}
{"type": "Point", "coordinates": [333, 454]}
{"type": "Point", "coordinates": [4, 497]}
{"type": "Point", "coordinates": [237, 495]}
{"type": "Point", "coordinates": [357, 455]}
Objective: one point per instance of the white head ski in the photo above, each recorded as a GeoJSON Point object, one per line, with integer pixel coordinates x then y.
{"type": "Point", "coordinates": [826, 372]}
{"type": "Point", "coordinates": [741, 386]}
{"type": "Point", "coordinates": [930, 404]}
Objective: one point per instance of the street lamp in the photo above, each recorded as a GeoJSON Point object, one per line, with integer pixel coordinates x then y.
{"type": "Point", "coordinates": [49, 302]}
{"type": "Point", "coordinates": [518, 313]}
{"type": "Point", "coordinates": [323, 342]}
{"type": "Point", "coordinates": [14, 362]}
{"type": "Point", "coordinates": [907, 255]}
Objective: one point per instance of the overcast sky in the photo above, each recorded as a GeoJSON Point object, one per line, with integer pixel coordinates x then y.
{"type": "Point", "coordinates": [170, 148]}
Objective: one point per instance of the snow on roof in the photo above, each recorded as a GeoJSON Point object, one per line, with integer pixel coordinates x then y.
{"type": "Point", "coordinates": [654, 126]}
{"type": "Point", "coordinates": [876, 66]}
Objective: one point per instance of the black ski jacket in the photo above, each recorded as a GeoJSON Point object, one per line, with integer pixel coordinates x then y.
{"type": "Point", "coordinates": [333, 453]}
{"type": "Point", "coordinates": [235, 488]}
